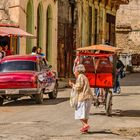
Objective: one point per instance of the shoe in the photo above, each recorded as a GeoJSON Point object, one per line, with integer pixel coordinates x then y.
{"type": "Point", "coordinates": [119, 91]}
{"type": "Point", "coordinates": [84, 129]}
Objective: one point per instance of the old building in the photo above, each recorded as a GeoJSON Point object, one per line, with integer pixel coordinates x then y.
{"type": "Point", "coordinates": [38, 17]}
{"type": "Point", "coordinates": [128, 27]}
{"type": "Point", "coordinates": [83, 23]}
{"type": "Point", "coordinates": [66, 36]}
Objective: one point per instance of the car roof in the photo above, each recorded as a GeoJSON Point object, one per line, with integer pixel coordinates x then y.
{"type": "Point", "coordinates": [20, 57]}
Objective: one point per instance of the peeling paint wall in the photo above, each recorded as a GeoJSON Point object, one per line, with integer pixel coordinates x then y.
{"type": "Point", "coordinates": [128, 15]}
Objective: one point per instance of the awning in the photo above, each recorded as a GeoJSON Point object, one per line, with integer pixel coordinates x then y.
{"type": "Point", "coordinates": [3, 34]}
{"type": "Point", "coordinates": [100, 47]}
{"type": "Point", "coordinates": [5, 31]}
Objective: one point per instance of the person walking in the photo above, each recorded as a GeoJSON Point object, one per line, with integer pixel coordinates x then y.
{"type": "Point", "coordinates": [119, 69]}
{"type": "Point", "coordinates": [85, 97]}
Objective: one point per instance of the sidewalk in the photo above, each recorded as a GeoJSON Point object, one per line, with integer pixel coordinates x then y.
{"type": "Point", "coordinates": [63, 83]}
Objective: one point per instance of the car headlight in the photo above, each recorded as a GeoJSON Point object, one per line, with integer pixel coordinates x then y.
{"type": "Point", "coordinates": [40, 77]}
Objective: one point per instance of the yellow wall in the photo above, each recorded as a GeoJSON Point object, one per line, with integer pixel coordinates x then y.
{"type": "Point", "coordinates": [83, 23]}
{"type": "Point", "coordinates": [20, 18]}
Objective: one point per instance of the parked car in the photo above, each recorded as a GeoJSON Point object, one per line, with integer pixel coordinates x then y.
{"type": "Point", "coordinates": [27, 75]}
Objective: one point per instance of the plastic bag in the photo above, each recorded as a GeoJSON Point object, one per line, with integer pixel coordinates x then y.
{"type": "Point", "coordinates": [73, 98]}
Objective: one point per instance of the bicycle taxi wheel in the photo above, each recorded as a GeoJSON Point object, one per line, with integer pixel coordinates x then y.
{"type": "Point", "coordinates": [108, 103]}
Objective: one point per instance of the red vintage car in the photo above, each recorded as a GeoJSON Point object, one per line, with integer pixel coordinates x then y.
{"type": "Point", "coordinates": [27, 75]}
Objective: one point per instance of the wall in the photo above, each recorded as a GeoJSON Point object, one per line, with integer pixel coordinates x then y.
{"type": "Point", "coordinates": [16, 12]}
{"type": "Point", "coordinates": [128, 15]}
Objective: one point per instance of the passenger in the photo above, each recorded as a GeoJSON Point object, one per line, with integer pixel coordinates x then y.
{"type": "Point", "coordinates": [7, 51]}
{"type": "Point", "coordinates": [2, 53]}
{"type": "Point", "coordinates": [34, 50]}
{"type": "Point", "coordinates": [85, 97]}
{"type": "Point", "coordinates": [39, 52]}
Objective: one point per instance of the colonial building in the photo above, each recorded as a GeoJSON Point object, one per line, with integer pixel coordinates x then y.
{"type": "Point", "coordinates": [38, 17]}
{"type": "Point", "coordinates": [83, 23]}
{"type": "Point", "coordinates": [128, 27]}
{"type": "Point", "coordinates": [66, 36]}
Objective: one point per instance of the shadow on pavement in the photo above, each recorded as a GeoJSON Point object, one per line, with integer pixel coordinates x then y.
{"type": "Point", "coordinates": [131, 79]}
{"type": "Point", "coordinates": [126, 113]}
{"type": "Point", "coordinates": [121, 113]}
{"type": "Point", "coordinates": [31, 102]}
{"type": "Point", "coordinates": [126, 94]}
{"type": "Point", "coordinates": [101, 132]}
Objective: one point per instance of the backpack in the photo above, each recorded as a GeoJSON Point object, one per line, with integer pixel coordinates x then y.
{"type": "Point", "coordinates": [122, 74]}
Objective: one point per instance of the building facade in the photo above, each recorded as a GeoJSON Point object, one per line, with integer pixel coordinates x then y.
{"type": "Point", "coordinates": [128, 27]}
{"type": "Point", "coordinates": [97, 21]}
{"type": "Point", "coordinates": [66, 37]}
{"type": "Point", "coordinates": [83, 23]}
{"type": "Point", "coordinates": [38, 17]}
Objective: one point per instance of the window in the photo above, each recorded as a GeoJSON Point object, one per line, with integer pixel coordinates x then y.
{"type": "Point", "coordinates": [18, 66]}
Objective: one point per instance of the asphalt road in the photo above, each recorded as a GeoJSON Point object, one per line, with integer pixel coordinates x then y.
{"type": "Point", "coordinates": [54, 119]}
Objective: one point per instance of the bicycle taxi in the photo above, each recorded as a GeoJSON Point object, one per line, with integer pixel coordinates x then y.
{"type": "Point", "coordinates": [99, 62]}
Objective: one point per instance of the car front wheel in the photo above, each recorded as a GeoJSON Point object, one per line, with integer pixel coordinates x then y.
{"type": "Point", "coordinates": [53, 94]}
{"type": "Point", "coordinates": [39, 97]}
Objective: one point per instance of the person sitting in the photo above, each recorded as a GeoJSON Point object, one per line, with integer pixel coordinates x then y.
{"type": "Point", "coordinates": [7, 51]}
{"type": "Point", "coordinates": [34, 50]}
{"type": "Point", "coordinates": [39, 52]}
{"type": "Point", "coordinates": [2, 53]}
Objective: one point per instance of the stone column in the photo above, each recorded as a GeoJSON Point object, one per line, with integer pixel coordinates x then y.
{"type": "Point", "coordinates": [101, 26]}
{"type": "Point", "coordinates": [104, 26]}
{"type": "Point", "coordinates": [93, 25]}
{"type": "Point", "coordinates": [79, 24]}
{"type": "Point", "coordinates": [97, 7]}
{"type": "Point", "coordinates": [108, 11]}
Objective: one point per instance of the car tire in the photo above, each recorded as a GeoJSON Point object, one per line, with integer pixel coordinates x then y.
{"type": "Point", "coordinates": [108, 105]}
{"type": "Point", "coordinates": [1, 101]}
{"type": "Point", "coordinates": [53, 94]}
{"type": "Point", "coordinates": [39, 97]}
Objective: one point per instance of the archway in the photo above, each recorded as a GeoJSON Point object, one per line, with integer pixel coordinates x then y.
{"type": "Point", "coordinates": [40, 25]}
{"type": "Point", "coordinates": [49, 34]}
{"type": "Point", "coordinates": [29, 25]}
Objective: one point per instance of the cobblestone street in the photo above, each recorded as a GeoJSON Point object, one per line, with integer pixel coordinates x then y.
{"type": "Point", "coordinates": [54, 120]}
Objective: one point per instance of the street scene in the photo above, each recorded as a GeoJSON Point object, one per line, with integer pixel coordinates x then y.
{"type": "Point", "coordinates": [69, 70]}
{"type": "Point", "coordinates": [54, 119]}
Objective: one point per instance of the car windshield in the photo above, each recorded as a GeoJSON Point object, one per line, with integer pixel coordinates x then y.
{"type": "Point", "coordinates": [18, 66]}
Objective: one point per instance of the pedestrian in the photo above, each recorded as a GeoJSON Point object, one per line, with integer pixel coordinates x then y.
{"type": "Point", "coordinates": [119, 70]}
{"type": "Point", "coordinates": [85, 97]}
{"type": "Point", "coordinates": [34, 50]}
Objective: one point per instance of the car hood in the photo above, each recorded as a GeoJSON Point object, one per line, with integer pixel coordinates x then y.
{"type": "Point", "coordinates": [17, 76]}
